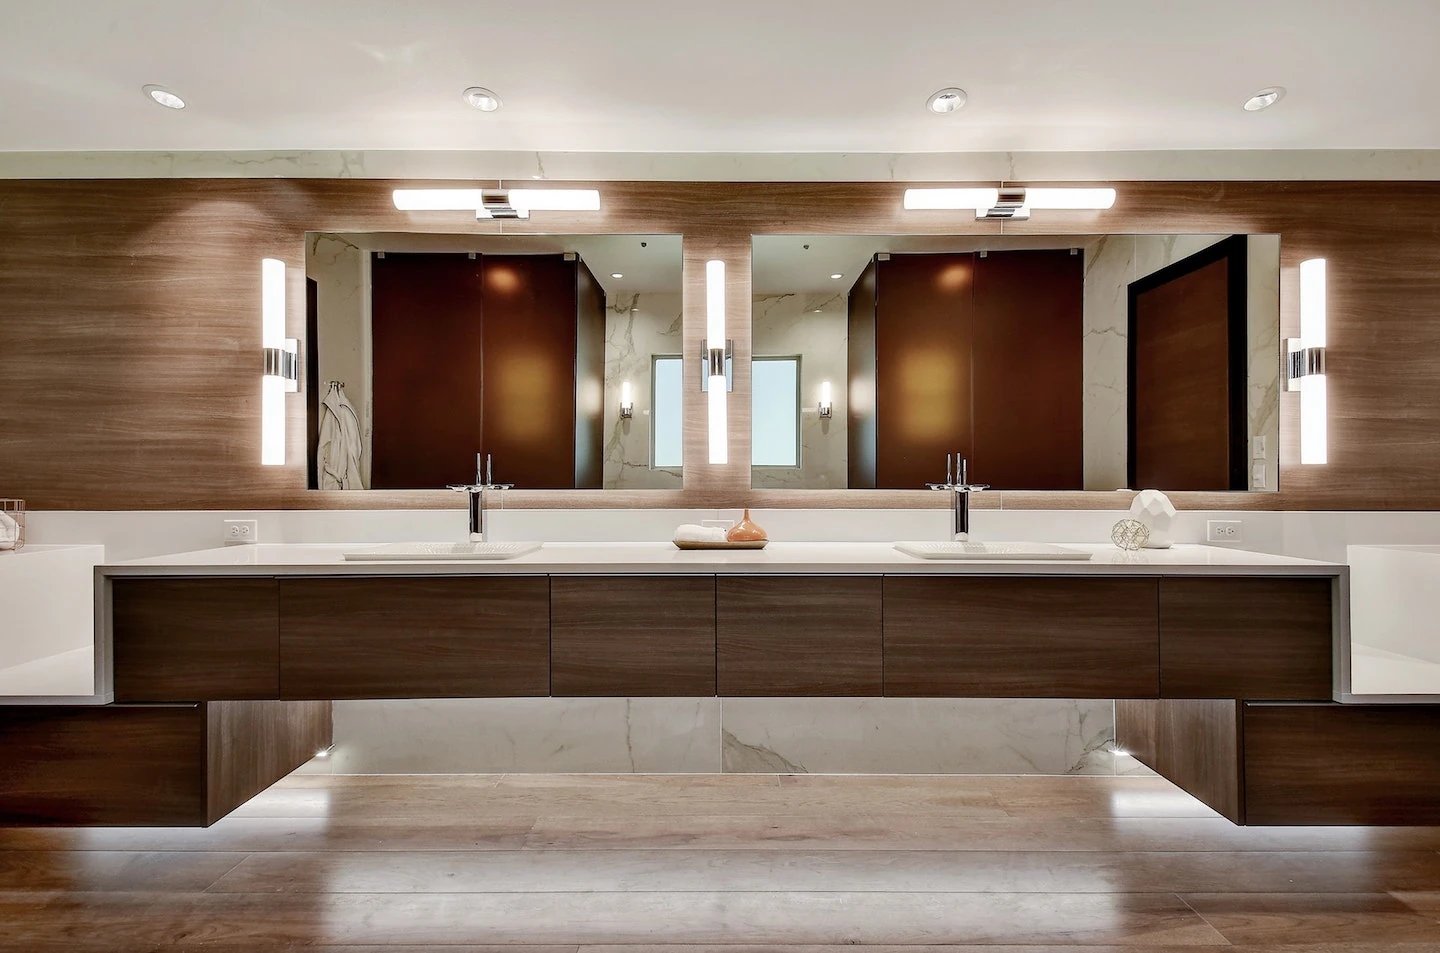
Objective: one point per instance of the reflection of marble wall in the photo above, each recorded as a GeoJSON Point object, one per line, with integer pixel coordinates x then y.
{"type": "Point", "coordinates": [637, 328]}
{"type": "Point", "coordinates": [341, 272]}
{"type": "Point", "coordinates": [1111, 264]}
{"type": "Point", "coordinates": [740, 735]}
{"type": "Point", "coordinates": [813, 326]}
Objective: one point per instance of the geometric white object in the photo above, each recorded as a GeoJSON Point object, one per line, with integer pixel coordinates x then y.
{"type": "Point", "coordinates": [1155, 510]}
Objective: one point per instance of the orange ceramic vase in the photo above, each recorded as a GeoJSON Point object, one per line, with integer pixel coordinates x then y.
{"type": "Point", "coordinates": [746, 531]}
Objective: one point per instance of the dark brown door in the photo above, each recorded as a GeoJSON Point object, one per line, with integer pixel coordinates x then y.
{"type": "Point", "coordinates": [923, 318]}
{"type": "Point", "coordinates": [426, 315]}
{"type": "Point", "coordinates": [529, 370]}
{"type": "Point", "coordinates": [1028, 370]}
{"type": "Point", "coordinates": [1187, 358]}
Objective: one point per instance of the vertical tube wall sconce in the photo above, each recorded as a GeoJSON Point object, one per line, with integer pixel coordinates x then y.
{"type": "Point", "coordinates": [715, 358]}
{"type": "Point", "coordinates": [281, 373]}
{"type": "Point", "coordinates": [827, 406]}
{"type": "Point", "coordinates": [627, 401]}
{"type": "Point", "coordinates": [1305, 370]}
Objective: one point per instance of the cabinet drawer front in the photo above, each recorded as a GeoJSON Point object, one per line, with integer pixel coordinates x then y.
{"type": "Point", "coordinates": [414, 637]}
{"type": "Point", "coordinates": [633, 635]}
{"type": "Point", "coordinates": [1021, 637]}
{"type": "Point", "coordinates": [799, 635]}
{"type": "Point", "coordinates": [195, 639]}
{"type": "Point", "coordinates": [1265, 639]}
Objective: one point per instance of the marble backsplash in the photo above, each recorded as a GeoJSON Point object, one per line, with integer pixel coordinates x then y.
{"type": "Point", "coordinates": [733, 735]}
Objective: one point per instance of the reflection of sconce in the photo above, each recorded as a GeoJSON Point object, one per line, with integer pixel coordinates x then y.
{"type": "Point", "coordinates": [497, 203]}
{"type": "Point", "coordinates": [826, 406]}
{"type": "Point", "coordinates": [1305, 363]}
{"type": "Point", "coordinates": [715, 353]}
{"type": "Point", "coordinates": [1013, 202]}
{"type": "Point", "coordinates": [627, 401]}
{"type": "Point", "coordinates": [281, 373]}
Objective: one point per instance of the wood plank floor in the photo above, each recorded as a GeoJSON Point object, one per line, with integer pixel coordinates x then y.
{"type": "Point", "coordinates": [674, 864]}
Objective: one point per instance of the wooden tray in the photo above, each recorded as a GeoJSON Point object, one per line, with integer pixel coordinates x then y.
{"type": "Point", "coordinates": [745, 544]}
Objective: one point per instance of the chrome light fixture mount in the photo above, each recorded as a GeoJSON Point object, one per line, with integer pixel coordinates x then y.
{"type": "Point", "coordinates": [1010, 202]}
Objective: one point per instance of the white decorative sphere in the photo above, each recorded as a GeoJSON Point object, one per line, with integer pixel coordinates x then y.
{"type": "Point", "coordinates": [1155, 510]}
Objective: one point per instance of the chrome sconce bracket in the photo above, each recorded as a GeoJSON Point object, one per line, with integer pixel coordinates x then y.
{"type": "Point", "coordinates": [284, 363]}
{"type": "Point", "coordinates": [1009, 204]}
{"type": "Point", "coordinates": [1301, 362]}
{"type": "Point", "coordinates": [715, 362]}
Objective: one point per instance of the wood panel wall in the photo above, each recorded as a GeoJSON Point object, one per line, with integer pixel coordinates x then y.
{"type": "Point", "coordinates": [130, 331]}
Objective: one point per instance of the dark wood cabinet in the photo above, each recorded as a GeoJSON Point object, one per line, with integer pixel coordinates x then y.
{"type": "Point", "coordinates": [799, 635]}
{"type": "Point", "coordinates": [1194, 743]}
{"type": "Point", "coordinates": [195, 639]}
{"type": "Point", "coordinates": [1015, 636]}
{"type": "Point", "coordinates": [1246, 638]}
{"type": "Point", "coordinates": [633, 635]}
{"type": "Point", "coordinates": [421, 637]}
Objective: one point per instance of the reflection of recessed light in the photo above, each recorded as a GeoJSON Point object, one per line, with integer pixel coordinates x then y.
{"type": "Point", "coordinates": [616, 274]}
{"type": "Point", "coordinates": [946, 100]}
{"type": "Point", "coordinates": [482, 99]}
{"type": "Point", "coordinates": [1264, 99]}
{"type": "Point", "coordinates": [164, 97]}
{"type": "Point", "coordinates": [837, 276]}
{"type": "Point", "coordinates": [816, 311]}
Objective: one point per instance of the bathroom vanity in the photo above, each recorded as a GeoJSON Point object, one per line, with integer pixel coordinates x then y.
{"type": "Point", "coordinates": [1223, 661]}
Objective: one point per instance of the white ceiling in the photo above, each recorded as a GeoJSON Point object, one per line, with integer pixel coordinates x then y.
{"type": "Point", "coordinates": [744, 75]}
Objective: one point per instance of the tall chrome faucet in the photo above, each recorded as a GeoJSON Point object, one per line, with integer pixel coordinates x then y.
{"type": "Point", "coordinates": [958, 482]}
{"type": "Point", "coordinates": [483, 481]}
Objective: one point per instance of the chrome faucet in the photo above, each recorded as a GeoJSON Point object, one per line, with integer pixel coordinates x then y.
{"type": "Point", "coordinates": [477, 496]}
{"type": "Point", "coordinates": [958, 482]}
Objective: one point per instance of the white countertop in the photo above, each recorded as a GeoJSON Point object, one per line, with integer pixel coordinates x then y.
{"type": "Point", "coordinates": [613, 558]}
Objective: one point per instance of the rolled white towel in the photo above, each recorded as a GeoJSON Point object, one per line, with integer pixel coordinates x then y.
{"type": "Point", "coordinates": [695, 533]}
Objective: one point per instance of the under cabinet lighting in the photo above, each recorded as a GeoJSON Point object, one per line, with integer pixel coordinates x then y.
{"type": "Point", "coordinates": [281, 374]}
{"type": "Point", "coordinates": [715, 358]}
{"type": "Point", "coordinates": [627, 401]}
{"type": "Point", "coordinates": [1305, 363]}
{"type": "Point", "coordinates": [827, 405]}
{"type": "Point", "coordinates": [1011, 202]}
{"type": "Point", "coordinates": [497, 203]}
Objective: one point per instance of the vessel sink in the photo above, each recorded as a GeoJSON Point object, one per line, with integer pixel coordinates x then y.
{"type": "Point", "coordinates": [444, 552]}
{"type": "Point", "coordinates": [990, 551]}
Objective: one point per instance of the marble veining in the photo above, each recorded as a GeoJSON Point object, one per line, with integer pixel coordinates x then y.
{"type": "Point", "coordinates": [815, 327]}
{"type": "Point", "coordinates": [638, 327]}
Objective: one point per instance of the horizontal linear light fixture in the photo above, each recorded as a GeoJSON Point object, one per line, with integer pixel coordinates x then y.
{"type": "Point", "coordinates": [1305, 367]}
{"type": "Point", "coordinates": [497, 203]}
{"type": "Point", "coordinates": [715, 358]}
{"type": "Point", "coordinates": [281, 373]}
{"type": "Point", "coordinates": [1010, 202]}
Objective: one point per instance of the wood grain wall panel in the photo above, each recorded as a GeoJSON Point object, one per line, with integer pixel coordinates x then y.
{"type": "Point", "coordinates": [1026, 368]}
{"type": "Point", "coordinates": [1342, 764]}
{"type": "Point", "coordinates": [195, 639]}
{"type": "Point", "coordinates": [252, 744]}
{"type": "Point", "coordinates": [1194, 743]}
{"type": "Point", "coordinates": [799, 635]}
{"type": "Point", "coordinates": [142, 296]}
{"type": "Point", "coordinates": [1268, 639]}
{"type": "Point", "coordinates": [589, 380]}
{"type": "Point", "coordinates": [414, 637]}
{"type": "Point", "coordinates": [427, 317]}
{"type": "Point", "coordinates": [963, 636]}
{"type": "Point", "coordinates": [632, 635]}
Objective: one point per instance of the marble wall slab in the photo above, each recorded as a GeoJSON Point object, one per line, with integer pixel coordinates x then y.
{"type": "Point", "coordinates": [638, 327]}
{"type": "Point", "coordinates": [341, 272]}
{"type": "Point", "coordinates": [735, 735]}
{"type": "Point", "coordinates": [814, 326]}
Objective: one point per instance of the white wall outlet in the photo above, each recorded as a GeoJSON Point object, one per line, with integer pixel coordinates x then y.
{"type": "Point", "coordinates": [1224, 531]}
{"type": "Point", "coordinates": [239, 532]}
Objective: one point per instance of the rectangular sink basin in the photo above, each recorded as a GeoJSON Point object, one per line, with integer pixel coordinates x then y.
{"type": "Point", "coordinates": [441, 552]}
{"type": "Point", "coordinates": [991, 551]}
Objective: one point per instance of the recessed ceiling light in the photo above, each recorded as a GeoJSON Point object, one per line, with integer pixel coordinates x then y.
{"type": "Point", "coordinates": [164, 97]}
{"type": "Point", "coordinates": [946, 100]}
{"type": "Point", "coordinates": [482, 99]}
{"type": "Point", "coordinates": [1264, 99]}
{"type": "Point", "coordinates": [837, 276]}
{"type": "Point", "coordinates": [616, 274]}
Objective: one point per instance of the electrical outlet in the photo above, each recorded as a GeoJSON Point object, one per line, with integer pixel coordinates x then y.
{"type": "Point", "coordinates": [1224, 531]}
{"type": "Point", "coordinates": [239, 532]}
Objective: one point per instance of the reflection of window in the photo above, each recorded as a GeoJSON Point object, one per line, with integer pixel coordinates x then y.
{"type": "Point", "coordinates": [667, 403]}
{"type": "Point", "coordinates": [775, 412]}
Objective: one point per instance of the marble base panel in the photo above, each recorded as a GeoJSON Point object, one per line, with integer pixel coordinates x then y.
{"type": "Point", "coordinates": [734, 735]}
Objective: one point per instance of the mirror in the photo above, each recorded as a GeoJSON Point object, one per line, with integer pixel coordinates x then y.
{"type": "Point", "coordinates": [1078, 362]}
{"type": "Point", "coordinates": [424, 350]}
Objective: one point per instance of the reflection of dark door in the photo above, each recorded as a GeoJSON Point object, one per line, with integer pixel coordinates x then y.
{"type": "Point", "coordinates": [1187, 358]}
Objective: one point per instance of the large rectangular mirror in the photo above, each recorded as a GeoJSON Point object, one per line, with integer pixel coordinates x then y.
{"type": "Point", "coordinates": [1078, 362]}
{"type": "Point", "coordinates": [558, 356]}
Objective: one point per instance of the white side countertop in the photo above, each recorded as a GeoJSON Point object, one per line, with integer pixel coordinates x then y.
{"type": "Point", "coordinates": [300, 559]}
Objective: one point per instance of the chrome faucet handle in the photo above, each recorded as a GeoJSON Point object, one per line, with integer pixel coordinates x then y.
{"type": "Point", "coordinates": [478, 487]}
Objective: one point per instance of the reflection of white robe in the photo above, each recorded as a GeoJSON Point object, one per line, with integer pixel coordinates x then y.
{"type": "Point", "coordinates": [337, 459]}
